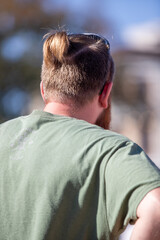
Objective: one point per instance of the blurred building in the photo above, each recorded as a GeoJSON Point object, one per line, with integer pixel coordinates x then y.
{"type": "Point", "coordinates": [136, 110]}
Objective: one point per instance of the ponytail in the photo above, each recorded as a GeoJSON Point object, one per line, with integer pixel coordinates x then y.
{"type": "Point", "coordinates": [75, 67]}
{"type": "Point", "coordinates": [55, 48]}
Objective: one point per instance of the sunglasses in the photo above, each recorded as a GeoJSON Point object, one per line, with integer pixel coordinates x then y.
{"type": "Point", "coordinates": [94, 36]}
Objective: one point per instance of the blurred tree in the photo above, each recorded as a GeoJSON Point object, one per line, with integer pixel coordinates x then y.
{"type": "Point", "coordinates": [22, 26]}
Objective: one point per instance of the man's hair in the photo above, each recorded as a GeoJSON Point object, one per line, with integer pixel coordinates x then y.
{"type": "Point", "coordinates": [75, 67]}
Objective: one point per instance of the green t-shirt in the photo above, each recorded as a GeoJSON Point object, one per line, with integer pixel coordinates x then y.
{"type": "Point", "coordinates": [63, 178]}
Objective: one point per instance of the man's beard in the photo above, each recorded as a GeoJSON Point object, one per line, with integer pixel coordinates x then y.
{"type": "Point", "coordinates": [104, 119]}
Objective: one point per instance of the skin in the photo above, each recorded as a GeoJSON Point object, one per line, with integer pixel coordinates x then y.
{"type": "Point", "coordinates": [147, 227]}
{"type": "Point", "coordinates": [93, 112]}
{"type": "Point", "coordinates": [105, 117]}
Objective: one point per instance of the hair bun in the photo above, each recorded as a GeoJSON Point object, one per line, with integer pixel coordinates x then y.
{"type": "Point", "coordinates": [55, 47]}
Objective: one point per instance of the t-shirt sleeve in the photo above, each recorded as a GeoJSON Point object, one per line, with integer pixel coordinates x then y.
{"type": "Point", "coordinates": [129, 176]}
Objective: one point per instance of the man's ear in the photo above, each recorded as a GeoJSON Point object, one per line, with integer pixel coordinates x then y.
{"type": "Point", "coordinates": [103, 98]}
{"type": "Point", "coordinates": [42, 91]}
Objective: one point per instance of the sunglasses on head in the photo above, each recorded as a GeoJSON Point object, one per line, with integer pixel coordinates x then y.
{"type": "Point", "coordinates": [94, 36]}
{"type": "Point", "coordinates": [97, 38]}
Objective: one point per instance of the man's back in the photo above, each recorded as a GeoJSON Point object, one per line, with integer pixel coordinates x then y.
{"type": "Point", "coordinates": [63, 178]}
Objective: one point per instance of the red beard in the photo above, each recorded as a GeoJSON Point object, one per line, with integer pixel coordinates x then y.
{"type": "Point", "coordinates": [104, 119]}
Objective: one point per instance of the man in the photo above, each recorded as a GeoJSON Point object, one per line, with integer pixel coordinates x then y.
{"type": "Point", "coordinates": [63, 175]}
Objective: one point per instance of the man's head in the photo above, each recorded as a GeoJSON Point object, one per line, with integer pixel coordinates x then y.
{"type": "Point", "coordinates": [76, 67]}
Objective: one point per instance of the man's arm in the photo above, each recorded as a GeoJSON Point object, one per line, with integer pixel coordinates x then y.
{"type": "Point", "coordinates": [147, 226]}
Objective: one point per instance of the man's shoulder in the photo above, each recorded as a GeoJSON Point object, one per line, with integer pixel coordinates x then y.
{"type": "Point", "coordinates": [102, 133]}
{"type": "Point", "coordinates": [76, 128]}
{"type": "Point", "coordinates": [11, 122]}
{"type": "Point", "coordinates": [13, 126]}
{"type": "Point", "coordinates": [85, 133]}
{"type": "Point", "coordinates": [69, 128]}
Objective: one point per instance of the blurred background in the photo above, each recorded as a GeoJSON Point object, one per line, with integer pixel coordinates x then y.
{"type": "Point", "coordinates": [133, 29]}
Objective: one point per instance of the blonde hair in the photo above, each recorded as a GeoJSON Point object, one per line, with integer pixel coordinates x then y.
{"type": "Point", "coordinates": [75, 67]}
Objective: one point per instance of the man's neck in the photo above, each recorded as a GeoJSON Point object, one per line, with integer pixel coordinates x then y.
{"type": "Point", "coordinates": [59, 109]}
{"type": "Point", "coordinates": [89, 112]}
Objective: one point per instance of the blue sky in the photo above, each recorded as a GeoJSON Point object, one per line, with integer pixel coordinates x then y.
{"type": "Point", "coordinates": [120, 14]}
{"type": "Point", "coordinates": [127, 12]}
